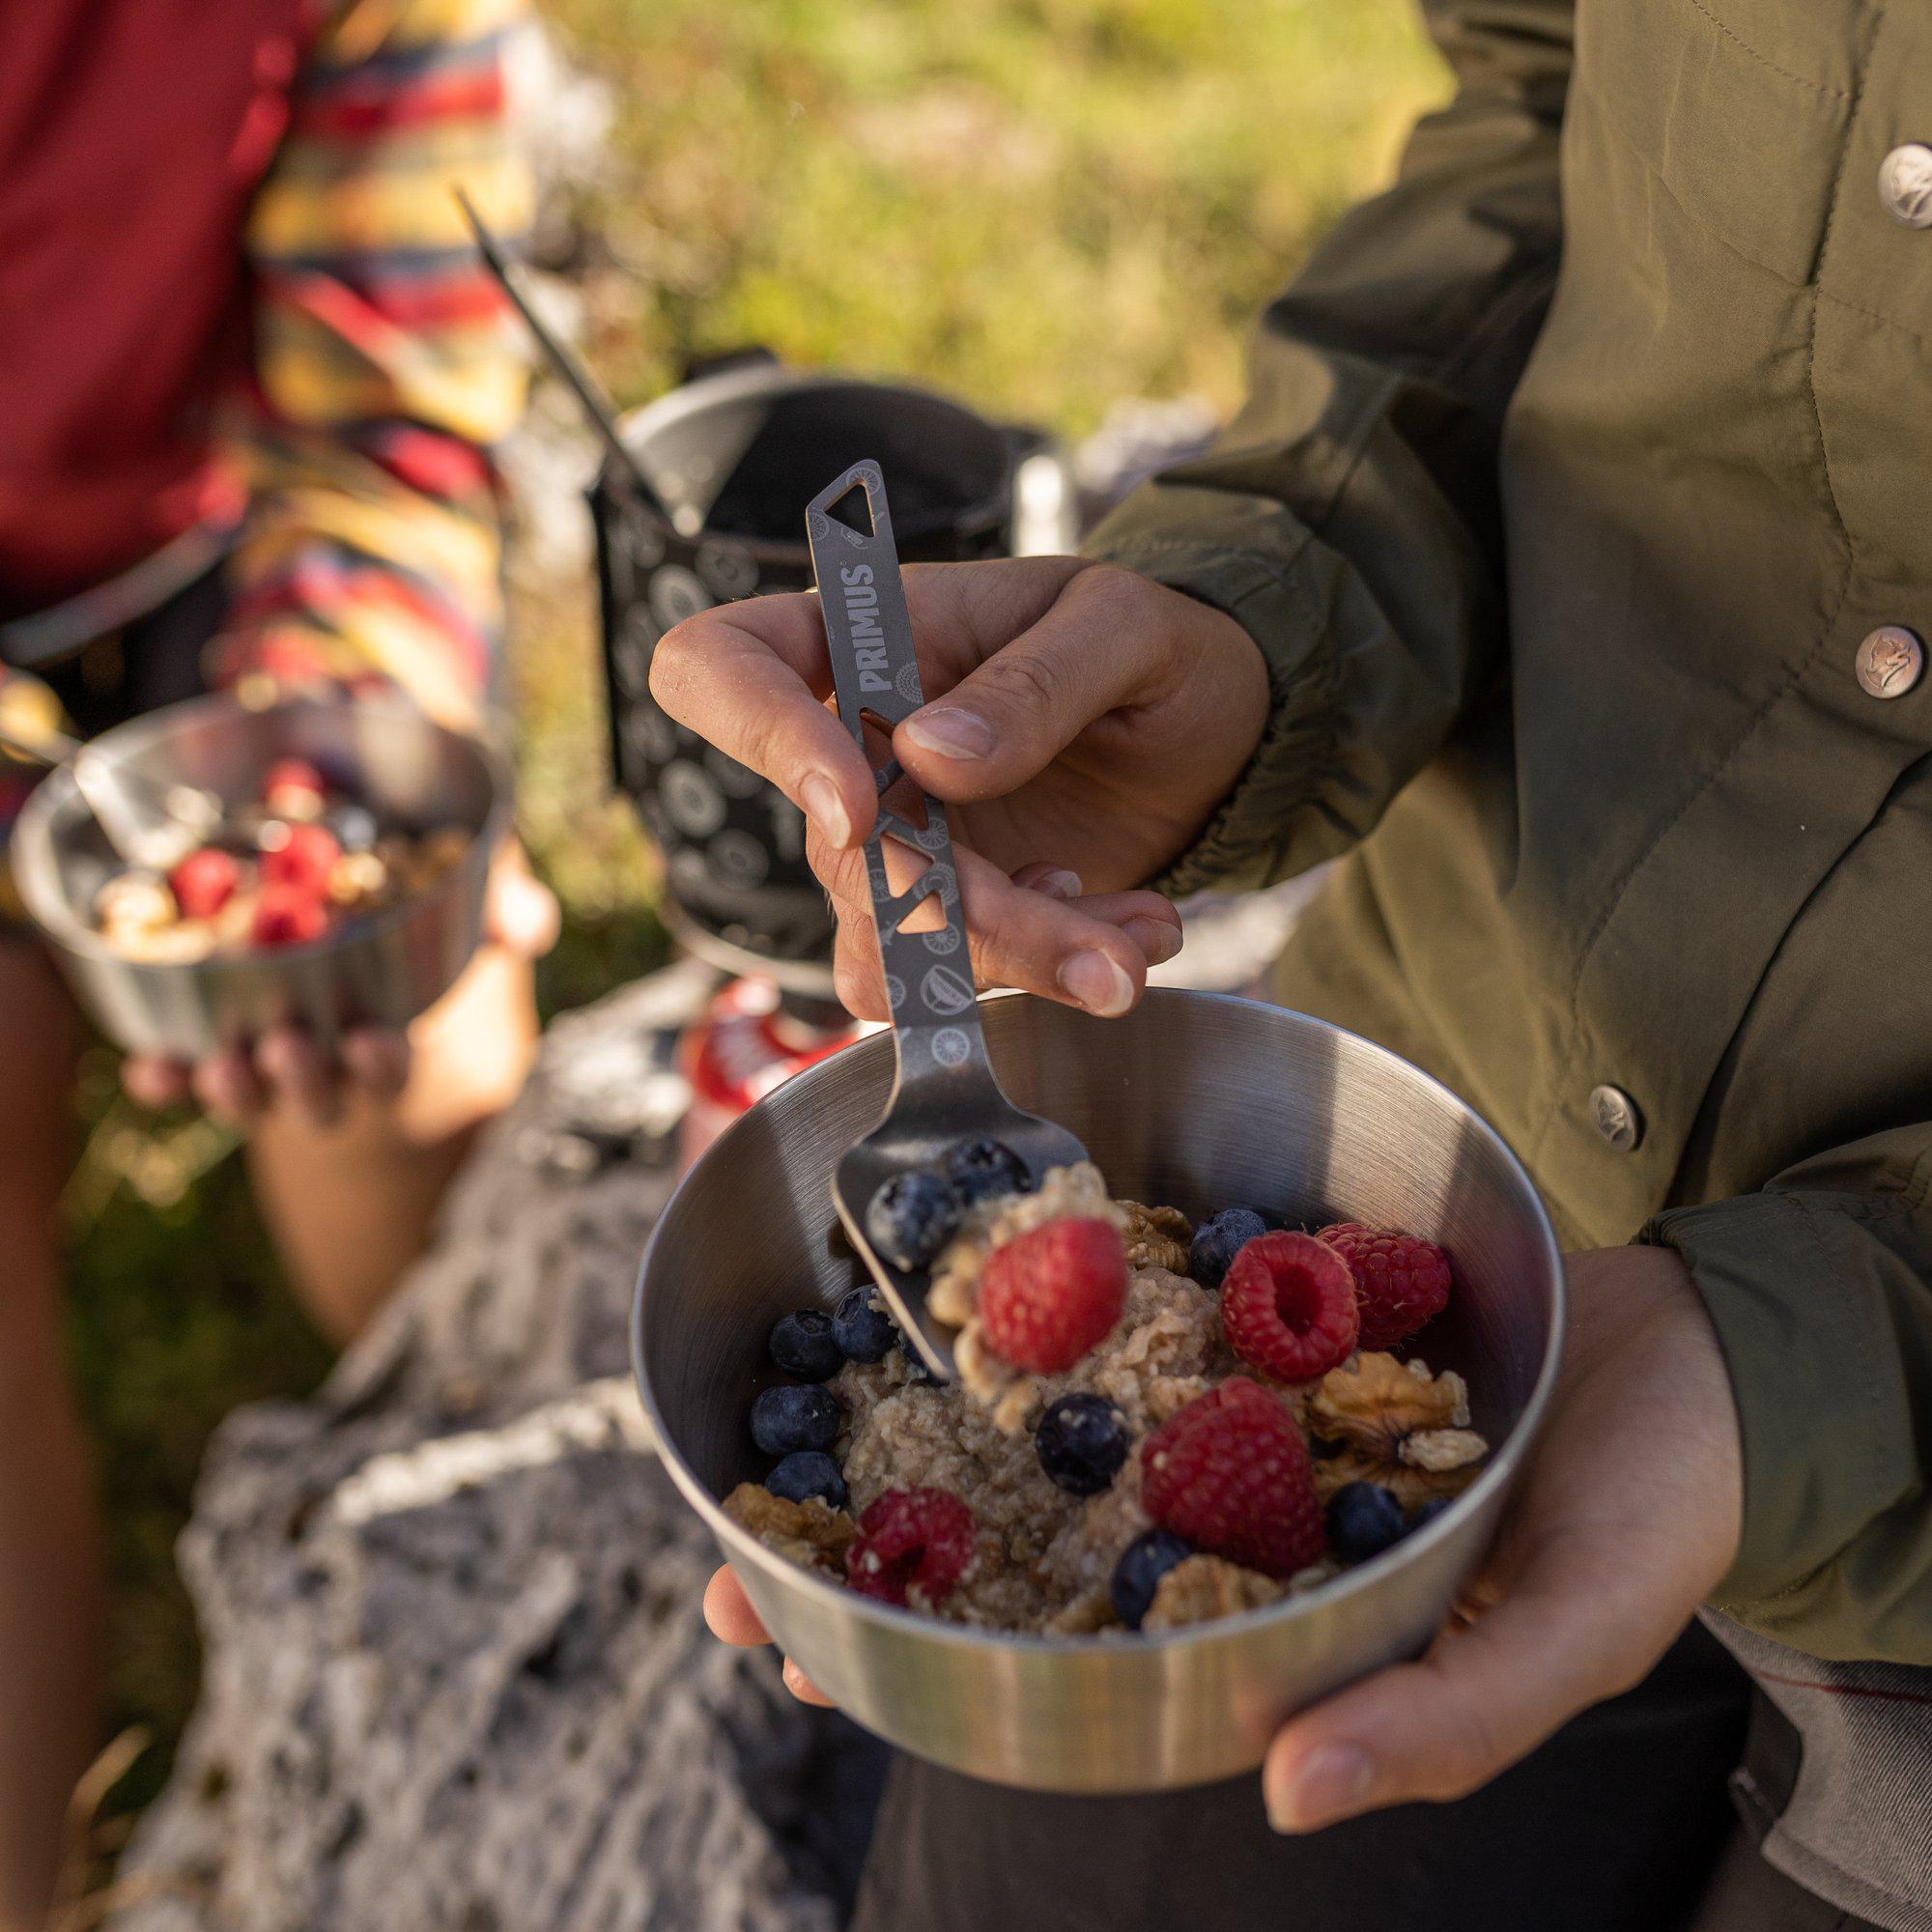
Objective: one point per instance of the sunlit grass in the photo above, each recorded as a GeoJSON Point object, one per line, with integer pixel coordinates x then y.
{"type": "Point", "coordinates": [1045, 205]}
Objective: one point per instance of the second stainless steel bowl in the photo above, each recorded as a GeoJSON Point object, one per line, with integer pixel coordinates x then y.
{"type": "Point", "coordinates": [384, 969]}
{"type": "Point", "coordinates": [1195, 1100]}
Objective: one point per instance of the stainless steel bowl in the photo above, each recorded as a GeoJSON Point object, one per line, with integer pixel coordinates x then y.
{"type": "Point", "coordinates": [382, 970]}
{"type": "Point", "coordinates": [1196, 1101]}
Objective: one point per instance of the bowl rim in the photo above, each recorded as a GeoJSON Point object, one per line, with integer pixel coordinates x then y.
{"type": "Point", "coordinates": [59, 921]}
{"type": "Point", "coordinates": [724, 386]}
{"type": "Point", "coordinates": [1495, 1478]}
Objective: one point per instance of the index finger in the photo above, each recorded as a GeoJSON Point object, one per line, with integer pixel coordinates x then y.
{"type": "Point", "coordinates": [729, 1612]}
{"type": "Point", "coordinates": [751, 678]}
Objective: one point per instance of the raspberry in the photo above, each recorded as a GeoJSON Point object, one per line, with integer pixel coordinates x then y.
{"type": "Point", "coordinates": [1288, 1303]}
{"type": "Point", "coordinates": [296, 779]}
{"type": "Point", "coordinates": [204, 882]}
{"type": "Point", "coordinates": [911, 1540]}
{"type": "Point", "coordinates": [1050, 1295]}
{"type": "Point", "coordinates": [287, 915]}
{"type": "Point", "coordinates": [1230, 1472]}
{"type": "Point", "coordinates": [1400, 1280]}
{"type": "Point", "coordinates": [304, 860]}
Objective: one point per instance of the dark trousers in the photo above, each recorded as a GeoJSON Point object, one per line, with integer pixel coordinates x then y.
{"type": "Point", "coordinates": [155, 661]}
{"type": "Point", "coordinates": [1621, 1823]}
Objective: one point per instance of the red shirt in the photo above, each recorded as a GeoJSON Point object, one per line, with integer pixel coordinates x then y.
{"type": "Point", "coordinates": [134, 135]}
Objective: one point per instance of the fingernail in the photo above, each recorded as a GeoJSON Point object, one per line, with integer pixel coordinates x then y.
{"type": "Point", "coordinates": [1155, 938]}
{"type": "Point", "coordinates": [1059, 885]}
{"type": "Point", "coordinates": [1099, 982]}
{"type": "Point", "coordinates": [1332, 1783]}
{"type": "Point", "coordinates": [951, 733]}
{"type": "Point", "coordinates": [826, 808]}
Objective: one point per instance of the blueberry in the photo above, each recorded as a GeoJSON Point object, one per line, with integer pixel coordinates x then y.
{"type": "Point", "coordinates": [864, 1332]}
{"type": "Point", "coordinates": [353, 825]}
{"type": "Point", "coordinates": [1428, 1512]}
{"type": "Point", "coordinates": [980, 1170]}
{"type": "Point", "coordinates": [1143, 1563]}
{"type": "Point", "coordinates": [808, 1472]}
{"type": "Point", "coordinates": [1363, 1520]}
{"type": "Point", "coordinates": [1218, 1241]}
{"type": "Point", "coordinates": [911, 1217]}
{"type": "Point", "coordinates": [917, 1373]}
{"type": "Point", "coordinates": [805, 1344]}
{"type": "Point", "coordinates": [1081, 1442]}
{"type": "Point", "coordinates": [788, 1418]}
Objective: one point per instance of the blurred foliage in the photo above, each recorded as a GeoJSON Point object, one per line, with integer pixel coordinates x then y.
{"type": "Point", "coordinates": [1044, 205]}
{"type": "Point", "coordinates": [177, 1313]}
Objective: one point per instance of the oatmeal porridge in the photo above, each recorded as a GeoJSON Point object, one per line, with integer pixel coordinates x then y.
{"type": "Point", "coordinates": [1156, 1423]}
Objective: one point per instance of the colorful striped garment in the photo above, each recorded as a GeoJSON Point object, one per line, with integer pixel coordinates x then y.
{"type": "Point", "coordinates": [241, 311]}
{"type": "Point", "coordinates": [385, 365]}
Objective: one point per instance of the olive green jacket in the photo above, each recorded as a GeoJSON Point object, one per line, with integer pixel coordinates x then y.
{"type": "Point", "coordinates": [1577, 468]}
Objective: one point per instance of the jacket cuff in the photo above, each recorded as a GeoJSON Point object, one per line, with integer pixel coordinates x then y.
{"type": "Point", "coordinates": [1247, 843]}
{"type": "Point", "coordinates": [1792, 1291]}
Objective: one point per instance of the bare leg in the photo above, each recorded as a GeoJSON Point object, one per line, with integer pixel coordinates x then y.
{"type": "Point", "coordinates": [351, 1205]}
{"type": "Point", "coordinates": [49, 1574]}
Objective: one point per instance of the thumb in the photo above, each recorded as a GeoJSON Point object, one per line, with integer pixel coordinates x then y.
{"type": "Point", "coordinates": [520, 912]}
{"type": "Point", "coordinates": [1094, 648]}
{"type": "Point", "coordinates": [1568, 1633]}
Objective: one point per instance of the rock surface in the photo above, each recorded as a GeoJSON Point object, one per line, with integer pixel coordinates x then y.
{"type": "Point", "coordinates": [455, 1675]}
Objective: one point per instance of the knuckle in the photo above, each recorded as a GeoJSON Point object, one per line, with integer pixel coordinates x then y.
{"type": "Point", "coordinates": [999, 958]}
{"type": "Point", "coordinates": [676, 655]}
{"type": "Point", "coordinates": [842, 874]}
{"type": "Point", "coordinates": [855, 970]}
{"type": "Point", "coordinates": [665, 665]}
{"type": "Point", "coordinates": [761, 747]}
{"type": "Point", "coordinates": [1028, 680]}
{"type": "Point", "coordinates": [1112, 589]}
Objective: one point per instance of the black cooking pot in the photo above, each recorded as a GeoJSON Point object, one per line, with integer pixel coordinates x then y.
{"type": "Point", "coordinates": [733, 458]}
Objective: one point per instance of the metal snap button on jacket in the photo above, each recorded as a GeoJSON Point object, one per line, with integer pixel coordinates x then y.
{"type": "Point", "coordinates": [1890, 662]}
{"type": "Point", "coordinates": [1614, 1116]}
{"type": "Point", "coordinates": [1905, 185]}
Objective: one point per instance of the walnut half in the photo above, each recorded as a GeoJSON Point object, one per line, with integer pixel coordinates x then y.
{"type": "Point", "coordinates": [1156, 1236]}
{"type": "Point", "coordinates": [810, 1534]}
{"type": "Point", "coordinates": [1394, 1424]}
{"type": "Point", "coordinates": [1200, 1589]}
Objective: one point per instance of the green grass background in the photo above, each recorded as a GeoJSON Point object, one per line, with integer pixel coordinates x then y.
{"type": "Point", "coordinates": [1043, 205]}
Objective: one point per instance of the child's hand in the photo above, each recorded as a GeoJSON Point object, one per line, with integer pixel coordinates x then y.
{"type": "Point", "coordinates": [1625, 1522]}
{"type": "Point", "coordinates": [1084, 723]}
{"type": "Point", "coordinates": [285, 1071]}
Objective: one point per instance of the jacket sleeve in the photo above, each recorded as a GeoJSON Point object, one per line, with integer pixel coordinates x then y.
{"type": "Point", "coordinates": [386, 371]}
{"type": "Point", "coordinates": [1820, 1287]}
{"type": "Point", "coordinates": [1349, 518]}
